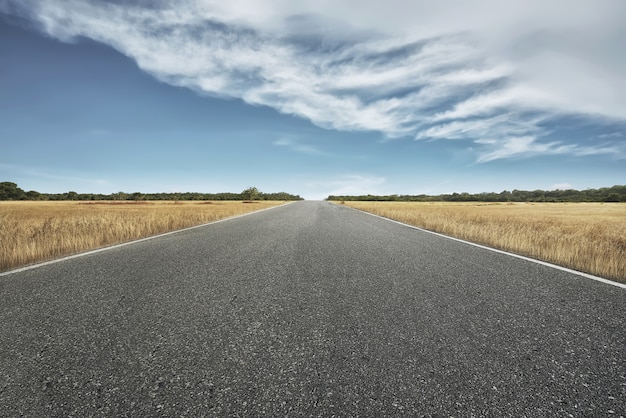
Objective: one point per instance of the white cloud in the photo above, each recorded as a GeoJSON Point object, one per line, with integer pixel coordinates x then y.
{"type": "Point", "coordinates": [478, 71]}
{"type": "Point", "coordinates": [502, 125]}
{"type": "Point", "coordinates": [296, 146]}
{"type": "Point", "coordinates": [78, 179]}
{"type": "Point", "coordinates": [528, 146]}
{"type": "Point", "coordinates": [611, 135]}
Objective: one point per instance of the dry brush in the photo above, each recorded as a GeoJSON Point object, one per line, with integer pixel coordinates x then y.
{"type": "Point", "coordinates": [36, 231]}
{"type": "Point", "coordinates": [589, 237]}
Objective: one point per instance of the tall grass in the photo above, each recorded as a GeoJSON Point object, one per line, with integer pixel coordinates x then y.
{"type": "Point", "coordinates": [38, 231]}
{"type": "Point", "coordinates": [588, 237]}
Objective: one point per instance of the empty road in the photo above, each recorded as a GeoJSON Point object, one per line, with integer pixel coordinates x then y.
{"type": "Point", "coordinates": [309, 309]}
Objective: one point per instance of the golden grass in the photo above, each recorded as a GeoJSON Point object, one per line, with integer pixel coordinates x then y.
{"type": "Point", "coordinates": [36, 231]}
{"type": "Point", "coordinates": [588, 237]}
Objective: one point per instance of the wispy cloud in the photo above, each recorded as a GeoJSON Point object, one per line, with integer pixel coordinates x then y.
{"type": "Point", "coordinates": [528, 146]}
{"type": "Point", "coordinates": [476, 71]}
{"type": "Point", "coordinates": [611, 135]}
{"type": "Point", "coordinates": [13, 170]}
{"type": "Point", "coordinates": [296, 146]}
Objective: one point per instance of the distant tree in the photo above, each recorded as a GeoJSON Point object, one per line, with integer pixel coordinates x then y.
{"type": "Point", "coordinates": [119, 196]}
{"type": "Point", "coordinates": [279, 196]}
{"type": "Point", "coordinates": [613, 197]}
{"type": "Point", "coordinates": [251, 193]}
{"type": "Point", "coordinates": [505, 196]}
{"type": "Point", "coordinates": [606, 194]}
{"type": "Point", "coordinates": [10, 191]}
{"type": "Point", "coordinates": [33, 195]}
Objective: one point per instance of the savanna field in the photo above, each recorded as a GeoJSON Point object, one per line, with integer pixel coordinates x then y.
{"type": "Point", "coordinates": [588, 237]}
{"type": "Point", "coordinates": [37, 231]}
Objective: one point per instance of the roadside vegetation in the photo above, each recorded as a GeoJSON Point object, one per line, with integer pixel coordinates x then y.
{"type": "Point", "coordinates": [11, 191]}
{"type": "Point", "coordinates": [604, 194]}
{"type": "Point", "coordinates": [588, 237]}
{"type": "Point", "coordinates": [36, 231]}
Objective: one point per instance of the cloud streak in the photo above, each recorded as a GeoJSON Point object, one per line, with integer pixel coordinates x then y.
{"type": "Point", "coordinates": [296, 146]}
{"type": "Point", "coordinates": [74, 177]}
{"type": "Point", "coordinates": [489, 74]}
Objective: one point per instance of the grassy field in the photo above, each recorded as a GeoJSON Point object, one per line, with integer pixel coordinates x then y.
{"type": "Point", "coordinates": [37, 231]}
{"type": "Point", "coordinates": [589, 237]}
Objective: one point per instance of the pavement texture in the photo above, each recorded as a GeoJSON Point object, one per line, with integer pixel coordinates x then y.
{"type": "Point", "coordinates": [309, 309]}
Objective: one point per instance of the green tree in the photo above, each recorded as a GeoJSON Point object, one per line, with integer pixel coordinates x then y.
{"type": "Point", "coordinates": [119, 196]}
{"type": "Point", "coordinates": [10, 191]}
{"type": "Point", "coordinates": [33, 195]}
{"type": "Point", "coordinates": [613, 197]}
{"type": "Point", "coordinates": [251, 193]}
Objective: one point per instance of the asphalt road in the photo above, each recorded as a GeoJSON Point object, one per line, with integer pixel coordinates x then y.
{"type": "Point", "coordinates": [309, 309]}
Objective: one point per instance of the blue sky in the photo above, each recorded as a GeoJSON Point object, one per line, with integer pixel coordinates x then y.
{"type": "Point", "coordinates": [312, 97]}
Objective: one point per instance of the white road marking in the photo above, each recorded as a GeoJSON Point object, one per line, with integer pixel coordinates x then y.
{"type": "Point", "coordinates": [579, 273]}
{"type": "Point", "coordinates": [69, 257]}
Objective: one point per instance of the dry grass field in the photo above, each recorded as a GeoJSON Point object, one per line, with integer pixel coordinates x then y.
{"type": "Point", "coordinates": [588, 237]}
{"type": "Point", "coordinates": [36, 231]}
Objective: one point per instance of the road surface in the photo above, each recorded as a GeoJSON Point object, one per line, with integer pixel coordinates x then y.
{"type": "Point", "coordinates": [309, 309]}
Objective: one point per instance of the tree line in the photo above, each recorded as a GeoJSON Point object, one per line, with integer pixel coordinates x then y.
{"type": "Point", "coordinates": [11, 191]}
{"type": "Point", "coordinates": [604, 194]}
